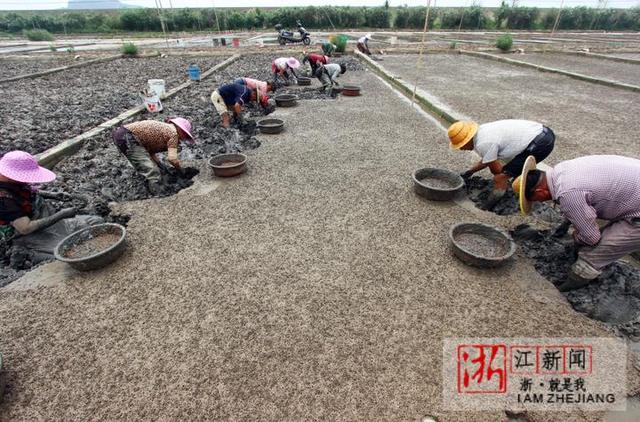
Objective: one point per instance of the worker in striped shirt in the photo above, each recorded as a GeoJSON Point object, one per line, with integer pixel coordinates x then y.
{"type": "Point", "coordinates": [605, 187]}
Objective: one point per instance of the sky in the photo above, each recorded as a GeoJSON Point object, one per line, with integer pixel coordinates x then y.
{"type": "Point", "coordinates": [57, 4]}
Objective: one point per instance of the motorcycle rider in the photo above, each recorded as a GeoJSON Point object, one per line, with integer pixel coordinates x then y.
{"type": "Point", "coordinates": [282, 66]}
{"type": "Point", "coordinates": [363, 44]}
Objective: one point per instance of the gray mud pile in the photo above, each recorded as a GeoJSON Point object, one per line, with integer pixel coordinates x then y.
{"type": "Point", "coordinates": [39, 113]}
{"type": "Point", "coordinates": [23, 66]}
{"type": "Point", "coordinates": [614, 298]}
{"type": "Point", "coordinates": [479, 189]}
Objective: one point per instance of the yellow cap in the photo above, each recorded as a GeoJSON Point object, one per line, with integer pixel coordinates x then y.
{"type": "Point", "coordinates": [460, 133]}
{"type": "Point", "coordinates": [519, 187]}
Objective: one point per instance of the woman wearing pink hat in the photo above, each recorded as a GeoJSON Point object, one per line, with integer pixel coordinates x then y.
{"type": "Point", "coordinates": [282, 67]}
{"type": "Point", "coordinates": [141, 141]}
{"type": "Point", "coordinates": [24, 215]}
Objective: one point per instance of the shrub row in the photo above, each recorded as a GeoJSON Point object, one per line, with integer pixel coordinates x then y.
{"type": "Point", "coordinates": [474, 17]}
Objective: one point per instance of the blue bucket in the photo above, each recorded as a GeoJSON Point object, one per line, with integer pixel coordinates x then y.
{"type": "Point", "coordinates": [194, 72]}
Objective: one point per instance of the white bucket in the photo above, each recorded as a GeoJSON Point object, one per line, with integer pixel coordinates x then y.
{"type": "Point", "coordinates": [152, 103]}
{"type": "Point", "coordinates": [157, 86]}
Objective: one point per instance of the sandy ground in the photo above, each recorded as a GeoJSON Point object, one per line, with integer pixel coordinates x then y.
{"type": "Point", "coordinates": [587, 118]}
{"type": "Point", "coordinates": [316, 286]}
{"type": "Point", "coordinates": [606, 69]}
{"type": "Point", "coordinates": [635, 56]}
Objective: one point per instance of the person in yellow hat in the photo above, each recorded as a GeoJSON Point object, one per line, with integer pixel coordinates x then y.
{"type": "Point", "coordinates": [588, 188]}
{"type": "Point", "coordinates": [510, 141]}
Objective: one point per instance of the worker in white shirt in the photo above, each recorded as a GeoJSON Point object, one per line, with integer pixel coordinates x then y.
{"type": "Point", "coordinates": [510, 141]}
{"type": "Point", "coordinates": [363, 44]}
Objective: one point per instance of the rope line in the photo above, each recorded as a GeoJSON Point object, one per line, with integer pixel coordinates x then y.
{"type": "Point", "coordinates": [419, 62]}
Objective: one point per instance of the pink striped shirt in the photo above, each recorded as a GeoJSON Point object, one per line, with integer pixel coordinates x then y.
{"type": "Point", "coordinates": [596, 186]}
{"type": "Point", "coordinates": [259, 86]}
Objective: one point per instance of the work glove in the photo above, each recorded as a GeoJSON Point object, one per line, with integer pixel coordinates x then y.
{"type": "Point", "coordinates": [466, 175]}
{"type": "Point", "coordinates": [155, 189]}
{"type": "Point", "coordinates": [562, 229]}
{"type": "Point", "coordinates": [67, 212]}
{"type": "Point", "coordinates": [188, 172]}
{"type": "Point", "coordinates": [493, 199]}
{"type": "Point", "coordinates": [580, 274]}
{"type": "Point", "coordinates": [58, 196]}
{"type": "Point", "coordinates": [269, 109]}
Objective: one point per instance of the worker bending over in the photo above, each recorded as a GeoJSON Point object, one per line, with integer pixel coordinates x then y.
{"type": "Point", "coordinates": [314, 61]}
{"type": "Point", "coordinates": [232, 98]}
{"type": "Point", "coordinates": [328, 48]}
{"type": "Point", "coordinates": [262, 89]}
{"type": "Point", "coordinates": [363, 44]}
{"type": "Point", "coordinates": [284, 68]}
{"type": "Point", "coordinates": [328, 75]}
{"type": "Point", "coordinates": [26, 218]}
{"type": "Point", "coordinates": [510, 141]}
{"type": "Point", "coordinates": [588, 188]}
{"type": "Point", "coordinates": [141, 141]}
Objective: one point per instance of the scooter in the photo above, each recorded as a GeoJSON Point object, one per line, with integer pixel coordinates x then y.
{"type": "Point", "coordinates": [285, 36]}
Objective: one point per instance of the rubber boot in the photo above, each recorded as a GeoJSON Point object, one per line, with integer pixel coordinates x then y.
{"type": "Point", "coordinates": [155, 188]}
{"type": "Point", "coordinates": [573, 282]}
{"type": "Point", "coordinates": [580, 275]}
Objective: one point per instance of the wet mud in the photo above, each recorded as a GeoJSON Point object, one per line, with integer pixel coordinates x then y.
{"type": "Point", "coordinates": [479, 189]}
{"type": "Point", "coordinates": [23, 66]}
{"type": "Point", "coordinates": [39, 113]}
{"type": "Point", "coordinates": [614, 298]}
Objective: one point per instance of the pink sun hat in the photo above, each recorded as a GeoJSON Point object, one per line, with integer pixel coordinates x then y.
{"type": "Point", "coordinates": [293, 63]}
{"type": "Point", "coordinates": [183, 124]}
{"type": "Point", "coordinates": [23, 167]}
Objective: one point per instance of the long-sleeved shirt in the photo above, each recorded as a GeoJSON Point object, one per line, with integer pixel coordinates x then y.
{"type": "Point", "coordinates": [596, 186]}
{"type": "Point", "coordinates": [333, 70]}
{"type": "Point", "coordinates": [315, 59]}
{"type": "Point", "coordinates": [280, 63]}
{"type": "Point", "coordinates": [259, 86]}
{"type": "Point", "coordinates": [504, 139]}
{"type": "Point", "coordinates": [155, 136]}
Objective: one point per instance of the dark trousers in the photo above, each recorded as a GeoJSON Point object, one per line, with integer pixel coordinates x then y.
{"type": "Point", "coordinates": [540, 148]}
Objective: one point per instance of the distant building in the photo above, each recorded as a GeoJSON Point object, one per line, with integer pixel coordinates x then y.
{"type": "Point", "coordinates": [93, 4]}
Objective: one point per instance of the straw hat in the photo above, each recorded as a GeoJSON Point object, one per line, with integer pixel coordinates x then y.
{"type": "Point", "coordinates": [520, 187]}
{"type": "Point", "coordinates": [293, 63]}
{"type": "Point", "coordinates": [183, 124]}
{"type": "Point", "coordinates": [23, 167]}
{"type": "Point", "coordinates": [460, 133]}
